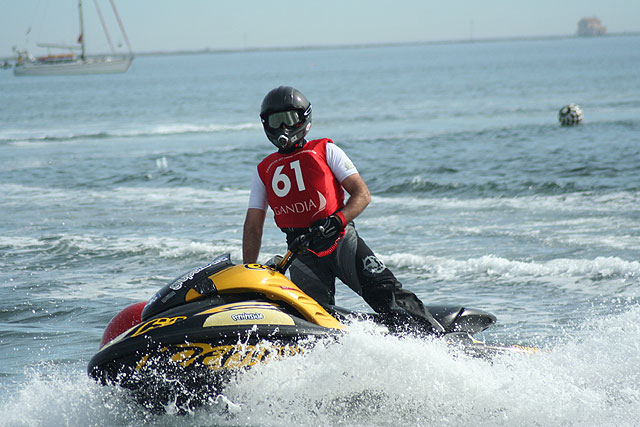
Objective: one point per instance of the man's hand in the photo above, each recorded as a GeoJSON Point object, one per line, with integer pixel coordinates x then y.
{"type": "Point", "coordinates": [331, 225]}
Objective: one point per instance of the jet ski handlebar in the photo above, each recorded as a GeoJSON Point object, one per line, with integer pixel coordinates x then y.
{"type": "Point", "coordinates": [297, 247]}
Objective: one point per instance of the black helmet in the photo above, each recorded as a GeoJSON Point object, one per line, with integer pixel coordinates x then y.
{"type": "Point", "coordinates": [286, 117]}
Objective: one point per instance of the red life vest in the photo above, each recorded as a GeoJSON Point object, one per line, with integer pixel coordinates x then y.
{"type": "Point", "coordinates": [301, 188]}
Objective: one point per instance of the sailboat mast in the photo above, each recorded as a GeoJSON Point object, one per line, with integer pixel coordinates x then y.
{"type": "Point", "coordinates": [81, 38]}
{"type": "Point", "coordinates": [124, 34]}
{"type": "Point", "coordinates": [104, 26]}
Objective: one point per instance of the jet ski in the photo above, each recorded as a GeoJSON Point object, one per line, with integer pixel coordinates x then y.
{"type": "Point", "coordinates": [195, 333]}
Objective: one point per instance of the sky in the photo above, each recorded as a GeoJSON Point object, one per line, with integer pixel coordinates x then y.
{"type": "Point", "coordinates": [164, 25]}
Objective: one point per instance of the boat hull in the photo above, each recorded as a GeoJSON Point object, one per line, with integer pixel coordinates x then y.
{"type": "Point", "coordinates": [97, 65]}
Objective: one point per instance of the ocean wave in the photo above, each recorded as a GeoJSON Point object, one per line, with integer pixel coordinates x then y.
{"type": "Point", "coordinates": [124, 267]}
{"type": "Point", "coordinates": [191, 196]}
{"type": "Point", "coordinates": [574, 201]}
{"type": "Point", "coordinates": [420, 185]}
{"type": "Point", "coordinates": [52, 135]}
{"type": "Point", "coordinates": [79, 247]}
{"type": "Point", "coordinates": [492, 266]}
{"type": "Point", "coordinates": [580, 232]}
{"type": "Point", "coordinates": [451, 131]}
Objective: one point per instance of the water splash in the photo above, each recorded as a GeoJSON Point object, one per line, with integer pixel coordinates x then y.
{"type": "Point", "coordinates": [589, 377]}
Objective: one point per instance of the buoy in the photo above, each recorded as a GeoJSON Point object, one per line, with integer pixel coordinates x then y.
{"type": "Point", "coordinates": [570, 115]}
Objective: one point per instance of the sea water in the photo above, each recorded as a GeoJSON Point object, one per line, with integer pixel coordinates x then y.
{"type": "Point", "coordinates": [113, 185]}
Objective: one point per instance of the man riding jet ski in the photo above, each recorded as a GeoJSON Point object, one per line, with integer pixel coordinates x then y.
{"type": "Point", "coordinates": [221, 318]}
{"type": "Point", "coordinates": [304, 184]}
{"type": "Point", "coordinates": [204, 327]}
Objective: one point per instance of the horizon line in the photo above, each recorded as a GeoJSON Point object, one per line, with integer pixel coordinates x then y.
{"type": "Point", "coordinates": [208, 50]}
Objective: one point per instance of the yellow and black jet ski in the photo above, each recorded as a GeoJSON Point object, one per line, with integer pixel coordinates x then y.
{"type": "Point", "coordinates": [221, 318]}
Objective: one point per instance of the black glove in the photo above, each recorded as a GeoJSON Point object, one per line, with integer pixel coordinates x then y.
{"type": "Point", "coordinates": [331, 225]}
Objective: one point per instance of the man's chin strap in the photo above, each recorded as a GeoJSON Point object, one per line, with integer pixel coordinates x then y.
{"type": "Point", "coordinates": [293, 148]}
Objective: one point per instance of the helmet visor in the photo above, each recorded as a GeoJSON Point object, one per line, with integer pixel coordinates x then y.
{"type": "Point", "coordinates": [290, 118]}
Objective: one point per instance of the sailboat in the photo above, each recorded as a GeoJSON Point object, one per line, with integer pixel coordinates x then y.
{"type": "Point", "coordinates": [70, 63]}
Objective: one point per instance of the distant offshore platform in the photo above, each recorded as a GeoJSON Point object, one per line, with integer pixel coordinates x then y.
{"type": "Point", "coordinates": [591, 27]}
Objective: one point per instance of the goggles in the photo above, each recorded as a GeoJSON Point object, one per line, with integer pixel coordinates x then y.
{"type": "Point", "coordinates": [290, 118]}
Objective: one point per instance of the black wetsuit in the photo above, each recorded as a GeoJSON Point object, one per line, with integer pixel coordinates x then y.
{"type": "Point", "coordinates": [355, 264]}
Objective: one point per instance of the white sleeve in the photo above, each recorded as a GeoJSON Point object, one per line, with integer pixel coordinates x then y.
{"type": "Point", "coordinates": [258, 195]}
{"type": "Point", "coordinates": [340, 164]}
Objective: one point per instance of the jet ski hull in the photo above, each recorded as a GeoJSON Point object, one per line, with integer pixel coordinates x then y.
{"type": "Point", "coordinates": [220, 319]}
{"type": "Point", "coordinates": [190, 352]}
